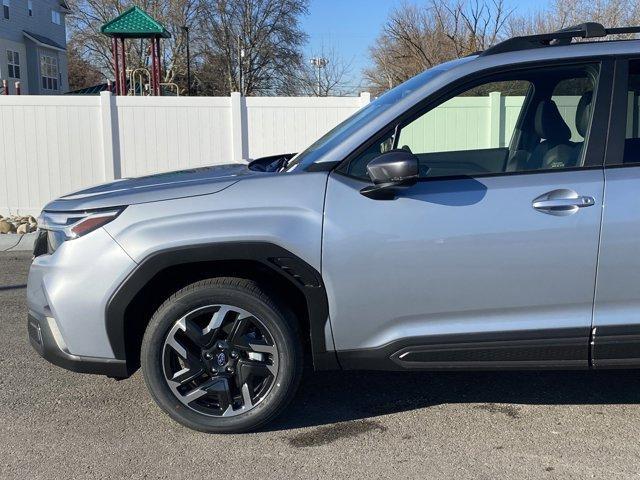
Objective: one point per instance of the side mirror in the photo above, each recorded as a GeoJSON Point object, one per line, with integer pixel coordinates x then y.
{"type": "Point", "coordinates": [391, 172]}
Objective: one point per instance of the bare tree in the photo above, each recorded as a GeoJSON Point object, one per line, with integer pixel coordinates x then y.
{"type": "Point", "coordinates": [565, 13]}
{"type": "Point", "coordinates": [82, 73]}
{"type": "Point", "coordinates": [418, 37]}
{"type": "Point", "coordinates": [332, 79]}
{"type": "Point", "coordinates": [258, 42]}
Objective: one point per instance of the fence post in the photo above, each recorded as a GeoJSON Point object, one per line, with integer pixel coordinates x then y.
{"type": "Point", "coordinates": [365, 99]}
{"type": "Point", "coordinates": [109, 137]}
{"type": "Point", "coordinates": [238, 127]}
{"type": "Point", "coordinates": [495, 119]}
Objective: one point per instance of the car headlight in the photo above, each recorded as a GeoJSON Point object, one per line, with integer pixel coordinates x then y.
{"type": "Point", "coordinates": [63, 226]}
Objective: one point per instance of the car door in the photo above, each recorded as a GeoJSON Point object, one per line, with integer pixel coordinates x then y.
{"type": "Point", "coordinates": [616, 323]}
{"type": "Point", "coordinates": [490, 267]}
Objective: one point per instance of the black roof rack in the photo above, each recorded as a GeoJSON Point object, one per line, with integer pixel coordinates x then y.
{"type": "Point", "coordinates": [561, 37]}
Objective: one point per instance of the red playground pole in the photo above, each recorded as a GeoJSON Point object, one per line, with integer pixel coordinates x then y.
{"type": "Point", "coordinates": [116, 64]}
{"type": "Point", "coordinates": [123, 69]}
{"type": "Point", "coordinates": [159, 65]}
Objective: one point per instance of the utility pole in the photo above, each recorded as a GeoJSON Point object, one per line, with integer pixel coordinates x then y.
{"type": "Point", "coordinates": [319, 63]}
{"type": "Point", "coordinates": [240, 62]}
{"type": "Point", "coordinates": [185, 29]}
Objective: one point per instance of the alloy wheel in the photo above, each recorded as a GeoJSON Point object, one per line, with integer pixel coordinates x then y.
{"type": "Point", "coordinates": [219, 360]}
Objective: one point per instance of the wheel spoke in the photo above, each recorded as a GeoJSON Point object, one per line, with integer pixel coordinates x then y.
{"type": "Point", "coordinates": [187, 375]}
{"type": "Point", "coordinates": [218, 317]}
{"type": "Point", "coordinates": [179, 349]}
{"type": "Point", "coordinates": [248, 369]}
{"type": "Point", "coordinates": [237, 329]}
{"type": "Point", "coordinates": [216, 320]}
{"type": "Point", "coordinates": [204, 337]}
{"type": "Point", "coordinates": [246, 397]}
{"type": "Point", "coordinates": [192, 370]}
{"type": "Point", "coordinates": [263, 348]}
{"type": "Point", "coordinates": [218, 386]}
{"type": "Point", "coordinates": [182, 350]}
{"type": "Point", "coordinates": [194, 333]}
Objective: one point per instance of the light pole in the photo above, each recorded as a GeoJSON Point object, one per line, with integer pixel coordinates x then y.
{"type": "Point", "coordinates": [185, 29]}
{"type": "Point", "coordinates": [319, 63]}
{"type": "Point", "coordinates": [240, 65]}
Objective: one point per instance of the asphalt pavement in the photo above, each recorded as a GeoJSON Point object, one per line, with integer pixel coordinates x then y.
{"type": "Point", "coordinates": [58, 424]}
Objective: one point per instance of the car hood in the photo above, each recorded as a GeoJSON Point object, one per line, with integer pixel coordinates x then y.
{"type": "Point", "coordinates": [152, 188]}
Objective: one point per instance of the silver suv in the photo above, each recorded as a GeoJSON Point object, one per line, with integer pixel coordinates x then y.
{"type": "Point", "coordinates": [457, 222]}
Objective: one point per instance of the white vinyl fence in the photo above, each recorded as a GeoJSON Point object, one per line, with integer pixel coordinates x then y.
{"type": "Point", "coordinates": [470, 123]}
{"type": "Point", "coordinates": [51, 145]}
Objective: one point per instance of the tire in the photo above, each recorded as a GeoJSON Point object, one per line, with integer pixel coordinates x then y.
{"type": "Point", "coordinates": [218, 318]}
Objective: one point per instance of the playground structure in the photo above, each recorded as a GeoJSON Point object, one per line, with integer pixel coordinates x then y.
{"type": "Point", "coordinates": [136, 24]}
{"type": "Point", "coordinates": [139, 83]}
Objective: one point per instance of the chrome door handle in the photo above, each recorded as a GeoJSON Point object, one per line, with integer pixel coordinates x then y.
{"type": "Point", "coordinates": [561, 202]}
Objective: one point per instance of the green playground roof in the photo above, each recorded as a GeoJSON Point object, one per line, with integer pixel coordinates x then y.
{"type": "Point", "coordinates": [134, 23]}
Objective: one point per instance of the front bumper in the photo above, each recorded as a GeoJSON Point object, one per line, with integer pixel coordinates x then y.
{"type": "Point", "coordinates": [48, 342]}
{"type": "Point", "coordinates": [67, 294]}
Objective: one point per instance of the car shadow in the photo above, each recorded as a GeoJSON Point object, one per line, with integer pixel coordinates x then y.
{"type": "Point", "coordinates": [329, 397]}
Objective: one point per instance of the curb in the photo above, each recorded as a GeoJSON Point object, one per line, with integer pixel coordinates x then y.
{"type": "Point", "coordinates": [10, 242]}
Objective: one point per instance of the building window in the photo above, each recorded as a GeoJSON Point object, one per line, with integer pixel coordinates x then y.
{"type": "Point", "coordinates": [49, 72]}
{"type": "Point", "coordinates": [5, 8]}
{"type": "Point", "coordinates": [30, 8]}
{"type": "Point", "coordinates": [13, 61]}
{"type": "Point", "coordinates": [56, 17]}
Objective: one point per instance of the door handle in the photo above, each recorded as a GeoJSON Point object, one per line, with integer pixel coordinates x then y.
{"type": "Point", "coordinates": [561, 202]}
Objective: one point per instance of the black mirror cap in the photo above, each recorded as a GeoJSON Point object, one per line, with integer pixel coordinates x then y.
{"type": "Point", "coordinates": [395, 167]}
{"type": "Point", "coordinates": [391, 172]}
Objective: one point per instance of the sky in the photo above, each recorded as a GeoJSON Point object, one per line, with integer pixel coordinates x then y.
{"type": "Point", "coordinates": [351, 26]}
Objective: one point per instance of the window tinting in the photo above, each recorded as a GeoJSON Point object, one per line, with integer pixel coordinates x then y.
{"type": "Point", "coordinates": [535, 121]}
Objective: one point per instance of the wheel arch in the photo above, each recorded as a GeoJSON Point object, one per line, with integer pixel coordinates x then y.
{"type": "Point", "coordinates": [279, 268]}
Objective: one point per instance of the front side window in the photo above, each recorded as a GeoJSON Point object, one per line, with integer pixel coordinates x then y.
{"type": "Point", "coordinates": [5, 9]}
{"type": "Point", "coordinates": [55, 17]}
{"type": "Point", "coordinates": [13, 62]}
{"type": "Point", "coordinates": [49, 72]}
{"type": "Point", "coordinates": [364, 116]}
{"type": "Point", "coordinates": [527, 121]}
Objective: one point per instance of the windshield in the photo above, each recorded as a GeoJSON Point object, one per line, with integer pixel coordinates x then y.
{"type": "Point", "coordinates": [363, 116]}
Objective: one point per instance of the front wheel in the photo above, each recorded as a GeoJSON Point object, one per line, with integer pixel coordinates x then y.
{"type": "Point", "coordinates": [220, 356]}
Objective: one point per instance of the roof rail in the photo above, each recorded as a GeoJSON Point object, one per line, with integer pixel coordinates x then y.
{"type": "Point", "coordinates": [560, 37]}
